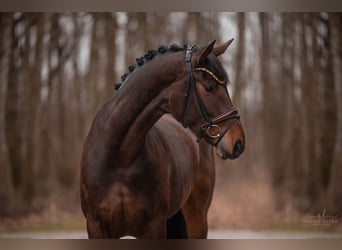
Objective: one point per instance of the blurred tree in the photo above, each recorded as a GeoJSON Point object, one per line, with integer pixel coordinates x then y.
{"type": "Point", "coordinates": [6, 182]}
{"type": "Point", "coordinates": [111, 27]}
{"type": "Point", "coordinates": [92, 84]}
{"type": "Point", "coordinates": [239, 81]}
{"type": "Point", "coordinates": [135, 43]}
{"type": "Point", "coordinates": [329, 123]}
{"type": "Point", "coordinates": [58, 68]}
{"type": "Point", "coordinates": [13, 110]}
{"type": "Point", "coordinates": [32, 87]}
{"type": "Point", "coordinates": [201, 28]}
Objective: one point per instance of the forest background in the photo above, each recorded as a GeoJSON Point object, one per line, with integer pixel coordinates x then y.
{"type": "Point", "coordinates": [57, 69]}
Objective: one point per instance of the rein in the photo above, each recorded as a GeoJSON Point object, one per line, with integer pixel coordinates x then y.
{"type": "Point", "coordinates": [210, 130]}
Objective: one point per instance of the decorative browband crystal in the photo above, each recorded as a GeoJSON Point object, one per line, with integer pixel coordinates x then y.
{"type": "Point", "coordinates": [210, 73]}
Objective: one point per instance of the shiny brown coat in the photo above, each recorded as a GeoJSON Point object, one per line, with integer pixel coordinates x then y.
{"type": "Point", "coordinates": [142, 173]}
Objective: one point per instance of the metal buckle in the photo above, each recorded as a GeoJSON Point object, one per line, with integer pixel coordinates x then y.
{"type": "Point", "coordinates": [214, 131]}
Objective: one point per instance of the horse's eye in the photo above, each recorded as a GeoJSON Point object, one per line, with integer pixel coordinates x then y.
{"type": "Point", "coordinates": [209, 88]}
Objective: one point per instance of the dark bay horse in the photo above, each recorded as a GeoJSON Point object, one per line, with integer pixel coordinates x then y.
{"type": "Point", "coordinates": [145, 171]}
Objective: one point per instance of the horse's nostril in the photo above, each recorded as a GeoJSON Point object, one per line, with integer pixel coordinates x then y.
{"type": "Point", "coordinates": [238, 148]}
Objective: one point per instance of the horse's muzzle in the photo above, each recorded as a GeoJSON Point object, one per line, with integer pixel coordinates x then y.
{"type": "Point", "coordinates": [232, 144]}
{"type": "Point", "coordinates": [224, 153]}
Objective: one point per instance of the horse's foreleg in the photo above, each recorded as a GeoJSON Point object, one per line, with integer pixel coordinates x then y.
{"type": "Point", "coordinates": [196, 208]}
{"type": "Point", "coordinates": [155, 229]}
{"type": "Point", "coordinates": [195, 212]}
{"type": "Point", "coordinates": [196, 223]}
{"type": "Point", "coordinates": [94, 229]}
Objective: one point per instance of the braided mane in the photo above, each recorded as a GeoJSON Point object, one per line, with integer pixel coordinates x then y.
{"type": "Point", "coordinates": [148, 56]}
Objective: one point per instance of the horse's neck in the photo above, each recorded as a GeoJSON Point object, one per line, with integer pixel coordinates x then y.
{"type": "Point", "coordinates": [134, 139]}
{"type": "Point", "coordinates": [137, 107]}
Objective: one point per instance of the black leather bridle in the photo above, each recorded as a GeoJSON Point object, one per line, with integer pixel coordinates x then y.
{"type": "Point", "coordinates": [210, 130]}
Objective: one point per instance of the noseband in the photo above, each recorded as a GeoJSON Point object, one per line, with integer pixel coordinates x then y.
{"type": "Point", "coordinates": [210, 130]}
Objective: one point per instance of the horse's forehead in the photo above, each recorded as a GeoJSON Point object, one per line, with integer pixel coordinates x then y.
{"type": "Point", "coordinates": [216, 67]}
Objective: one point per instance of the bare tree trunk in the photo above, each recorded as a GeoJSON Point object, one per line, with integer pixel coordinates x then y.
{"type": "Point", "coordinates": [6, 189]}
{"type": "Point", "coordinates": [269, 117]}
{"type": "Point", "coordinates": [329, 123]}
{"type": "Point", "coordinates": [265, 64]}
{"type": "Point", "coordinates": [94, 67]}
{"type": "Point", "coordinates": [295, 158]}
{"type": "Point", "coordinates": [309, 88]}
{"type": "Point", "coordinates": [33, 108]}
{"type": "Point", "coordinates": [202, 28]}
{"type": "Point", "coordinates": [135, 31]}
{"type": "Point", "coordinates": [335, 197]}
{"type": "Point", "coordinates": [65, 169]}
{"type": "Point", "coordinates": [194, 26]}
{"type": "Point", "coordinates": [78, 80]}
{"type": "Point", "coordinates": [239, 82]}
{"type": "Point", "coordinates": [47, 167]}
{"type": "Point", "coordinates": [156, 26]}
{"type": "Point", "coordinates": [111, 27]}
{"type": "Point", "coordinates": [13, 125]}
{"type": "Point", "coordinates": [286, 80]}
{"type": "Point", "coordinates": [306, 100]}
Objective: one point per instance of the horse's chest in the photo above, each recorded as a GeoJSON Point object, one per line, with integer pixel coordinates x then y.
{"type": "Point", "coordinates": [166, 186]}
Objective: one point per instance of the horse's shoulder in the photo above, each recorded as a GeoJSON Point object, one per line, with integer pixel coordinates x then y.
{"type": "Point", "coordinates": [173, 130]}
{"type": "Point", "coordinates": [169, 135]}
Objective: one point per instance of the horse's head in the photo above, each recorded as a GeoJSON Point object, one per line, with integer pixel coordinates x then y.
{"type": "Point", "coordinates": [203, 104]}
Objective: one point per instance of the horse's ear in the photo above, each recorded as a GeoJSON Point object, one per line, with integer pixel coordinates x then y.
{"type": "Point", "coordinates": [220, 49]}
{"type": "Point", "coordinates": [205, 51]}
